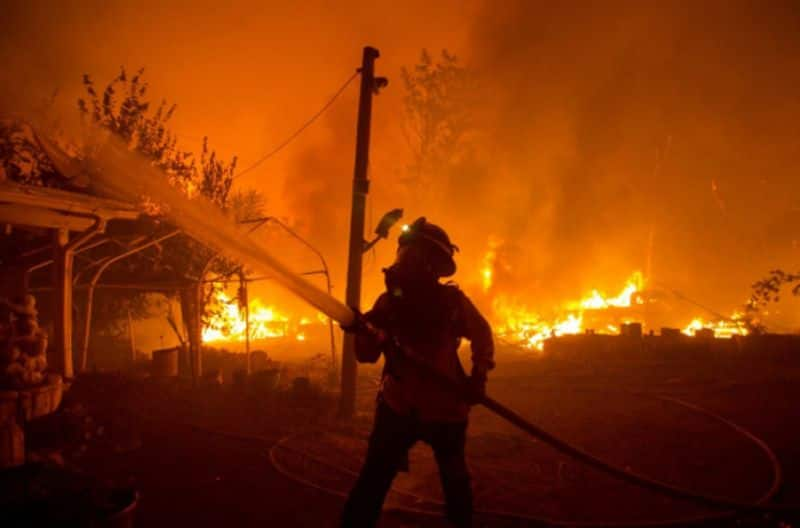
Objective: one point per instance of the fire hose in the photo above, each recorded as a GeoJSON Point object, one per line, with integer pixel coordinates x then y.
{"type": "Point", "coordinates": [286, 443]}
{"type": "Point", "coordinates": [122, 172]}
{"type": "Point", "coordinates": [579, 454]}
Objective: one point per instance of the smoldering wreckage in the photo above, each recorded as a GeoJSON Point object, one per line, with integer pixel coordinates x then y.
{"type": "Point", "coordinates": [62, 421]}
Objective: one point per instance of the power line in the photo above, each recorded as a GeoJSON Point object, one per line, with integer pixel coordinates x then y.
{"type": "Point", "coordinates": [300, 130]}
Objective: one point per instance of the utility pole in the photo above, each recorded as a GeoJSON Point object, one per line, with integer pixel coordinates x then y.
{"type": "Point", "coordinates": [360, 188]}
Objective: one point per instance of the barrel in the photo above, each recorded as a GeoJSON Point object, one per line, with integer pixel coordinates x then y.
{"type": "Point", "coordinates": [42, 399]}
{"type": "Point", "coordinates": [165, 362]}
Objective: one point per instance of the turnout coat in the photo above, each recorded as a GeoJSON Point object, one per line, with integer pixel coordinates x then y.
{"type": "Point", "coordinates": [430, 325]}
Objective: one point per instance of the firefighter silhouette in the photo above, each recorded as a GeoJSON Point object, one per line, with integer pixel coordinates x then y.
{"type": "Point", "coordinates": [426, 318]}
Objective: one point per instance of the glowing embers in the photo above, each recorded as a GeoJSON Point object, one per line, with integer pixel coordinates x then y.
{"type": "Point", "coordinates": [227, 322]}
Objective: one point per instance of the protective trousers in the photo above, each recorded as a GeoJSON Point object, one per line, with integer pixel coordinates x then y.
{"type": "Point", "coordinates": [392, 436]}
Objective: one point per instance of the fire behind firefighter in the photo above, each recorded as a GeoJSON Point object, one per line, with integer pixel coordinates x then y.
{"type": "Point", "coordinates": [427, 319]}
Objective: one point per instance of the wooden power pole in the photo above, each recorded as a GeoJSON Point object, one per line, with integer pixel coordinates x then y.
{"type": "Point", "coordinates": [360, 189]}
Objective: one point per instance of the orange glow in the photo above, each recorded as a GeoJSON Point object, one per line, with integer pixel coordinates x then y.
{"type": "Point", "coordinates": [587, 167]}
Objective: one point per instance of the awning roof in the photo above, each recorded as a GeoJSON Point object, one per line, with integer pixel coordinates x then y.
{"type": "Point", "coordinates": [58, 209]}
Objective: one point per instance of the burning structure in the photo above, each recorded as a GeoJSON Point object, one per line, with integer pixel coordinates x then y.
{"type": "Point", "coordinates": [635, 306]}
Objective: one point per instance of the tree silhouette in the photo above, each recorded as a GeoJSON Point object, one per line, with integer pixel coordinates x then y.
{"type": "Point", "coordinates": [439, 120]}
{"type": "Point", "coordinates": [124, 110]}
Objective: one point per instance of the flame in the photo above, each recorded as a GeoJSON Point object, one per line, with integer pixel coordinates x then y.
{"type": "Point", "coordinates": [724, 328]}
{"type": "Point", "coordinates": [488, 264]}
{"type": "Point", "coordinates": [228, 323]}
{"type": "Point", "coordinates": [598, 301]}
{"type": "Point", "coordinates": [486, 276]}
{"type": "Point", "coordinates": [526, 327]}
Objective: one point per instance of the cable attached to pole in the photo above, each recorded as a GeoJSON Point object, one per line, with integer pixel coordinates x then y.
{"type": "Point", "coordinates": [300, 130]}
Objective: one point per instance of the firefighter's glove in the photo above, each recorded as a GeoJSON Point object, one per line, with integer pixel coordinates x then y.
{"type": "Point", "coordinates": [358, 325]}
{"type": "Point", "coordinates": [475, 389]}
{"type": "Point", "coordinates": [361, 326]}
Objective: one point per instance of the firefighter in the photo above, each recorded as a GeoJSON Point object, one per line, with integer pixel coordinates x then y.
{"type": "Point", "coordinates": [426, 318]}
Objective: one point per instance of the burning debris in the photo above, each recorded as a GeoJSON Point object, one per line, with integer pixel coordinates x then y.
{"type": "Point", "coordinates": [595, 312]}
{"type": "Point", "coordinates": [516, 323]}
{"type": "Point", "coordinates": [725, 328]}
{"type": "Point", "coordinates": [228, 321]}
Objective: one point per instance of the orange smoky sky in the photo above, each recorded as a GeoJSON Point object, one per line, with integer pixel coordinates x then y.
{"type": "Point", "coordinates": [614, 134]}
{"type": "Point", "coordinates": [247, 74]}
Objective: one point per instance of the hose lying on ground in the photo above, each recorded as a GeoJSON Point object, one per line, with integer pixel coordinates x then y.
{"type": "Point", "coordinates": [286, 444]}
{"type": "Point", "coordinates": [579, 454]}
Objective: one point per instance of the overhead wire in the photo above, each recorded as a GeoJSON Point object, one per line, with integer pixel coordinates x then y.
{"type": "Point", "coordinates": [302, 128]}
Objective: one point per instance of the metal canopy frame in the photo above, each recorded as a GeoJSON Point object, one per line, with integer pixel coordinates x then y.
{"type": "Point", "coordinates": [62, 213]}
{"type": "Point", "coordinates": [86, 217]}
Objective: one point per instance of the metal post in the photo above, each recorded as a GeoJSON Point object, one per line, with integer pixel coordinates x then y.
{"type": "Point", "coordinates": [62, 359]}
{"type": "Point", "coordinates": [360, 188]}
{"type": "Point", "coordinates": [103, 265]}
{"type": "Point", "coordinates": [197, 331]}
{"type": "Point", "coordinates": [64, 254]}
{"type": "Point", "coordinates": [325, 271]}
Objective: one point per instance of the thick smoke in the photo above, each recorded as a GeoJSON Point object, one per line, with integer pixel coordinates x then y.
{"type": "Point", "coordinates": [613, 135]}
{"type": "Point", "coordinates": [615, 124]}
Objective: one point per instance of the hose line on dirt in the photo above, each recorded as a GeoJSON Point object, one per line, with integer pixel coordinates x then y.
{"type": "Point", "coordinates": [729, 513]}
{"type": "Point", "coordinates": [642, 481]}
{"type": "Point", "coordinates": [284, 443]}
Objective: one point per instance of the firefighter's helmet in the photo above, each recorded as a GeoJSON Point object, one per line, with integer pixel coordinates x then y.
{"type": "Point", "coordinates": [435, 241]}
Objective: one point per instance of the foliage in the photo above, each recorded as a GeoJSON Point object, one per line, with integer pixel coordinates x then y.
{"type": "Point", "coordinates": [766, 291]}
{"type": "Point", "coordinates": [124, 109]}
{"type": "Point", "coordinates": [439, 115]}
{"type": "Point", "coordinates": [247, 204]}
{"type": "Point", "coordinates": [111, 309]}
{"type": "Point", "coordinates": [22, 160]}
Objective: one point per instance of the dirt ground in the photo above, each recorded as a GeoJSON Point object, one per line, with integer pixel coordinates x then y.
{"type": "Point", "coordinates": [200, 456]}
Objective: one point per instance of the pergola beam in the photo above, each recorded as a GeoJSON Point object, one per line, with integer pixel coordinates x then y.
{"type": "Point", "coordinates": [61, 212]}
{"type": "Point", "coordinates": [66, 202]}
